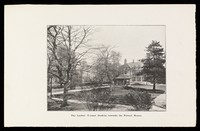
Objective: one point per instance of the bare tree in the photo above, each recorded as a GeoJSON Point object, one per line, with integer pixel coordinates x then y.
{"type": "Point", "coordinates": [49, 69]}
{"type": "Point", "coordinates": [107, 64]}
{"type": "Point", "coordinates": [68, 45]}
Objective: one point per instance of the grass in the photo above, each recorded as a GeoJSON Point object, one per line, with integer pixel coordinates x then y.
{"type": "Point", "coordinates": [118, 93]}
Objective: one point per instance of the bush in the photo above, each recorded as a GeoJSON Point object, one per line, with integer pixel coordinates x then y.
{"type": "Point", "coordinates": [141, 101]}
{"type": "Point", "coordinates": [98, 99]}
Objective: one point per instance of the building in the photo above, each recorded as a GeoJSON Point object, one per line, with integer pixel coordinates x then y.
{"type": "Point", "coordinates": [130, 73]}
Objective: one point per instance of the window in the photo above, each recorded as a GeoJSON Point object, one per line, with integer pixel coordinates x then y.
{"type": "Point", "coordinates": [143, 78]}
{"type": "Point", "coordinates": [133, 71]}
{"type": "Point", "coordinates": [133, 78]}
{"type": "Point", "coordinates": [125, 71]}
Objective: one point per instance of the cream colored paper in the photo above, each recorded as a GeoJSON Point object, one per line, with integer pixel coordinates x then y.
{"type": "Point", "coordinates": [25, 87]}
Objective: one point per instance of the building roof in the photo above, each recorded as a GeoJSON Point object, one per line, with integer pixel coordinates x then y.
{"type": "Point", "coordinates": [135, 64]}
{"type": "Point", "coordinates": [123, 76]}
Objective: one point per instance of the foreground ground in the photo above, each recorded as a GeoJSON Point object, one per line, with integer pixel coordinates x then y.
{"type": "Point", "coordinates": [77, 103]}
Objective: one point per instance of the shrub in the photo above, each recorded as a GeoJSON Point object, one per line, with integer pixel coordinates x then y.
{"type": "Point", "coordinates": [141, 101]}
{"type": "Point", "coordinates": [98, 99]}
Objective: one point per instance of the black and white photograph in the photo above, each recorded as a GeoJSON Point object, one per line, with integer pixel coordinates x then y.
{"type": "Point", "coordinates": [100, 65]}
{"type": "Point", "coordinates": [106, 68]}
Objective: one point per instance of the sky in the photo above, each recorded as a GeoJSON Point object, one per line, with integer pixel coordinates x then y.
{"type": "Point", "coordinates": [130, 41]}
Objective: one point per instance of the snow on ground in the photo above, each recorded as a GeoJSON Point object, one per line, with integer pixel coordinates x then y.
{"type": "Point", "coordinates": [60, 91]}
{"type": "Point", "coordinates": [156, 108]}
{"type": "Point", "coordinates": [160, 100]}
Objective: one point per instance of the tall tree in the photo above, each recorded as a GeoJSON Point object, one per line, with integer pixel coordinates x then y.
{"type": "Point", "coordinates": [107, 64]}
{"type": "Point", "coordinates": [153, 67]}
{"type": "Point", "coordinates": [68, 46]}
{"type": "Point", "coordinates": [49, 69]}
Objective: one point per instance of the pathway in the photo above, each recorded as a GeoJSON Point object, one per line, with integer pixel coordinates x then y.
{"type": "Point", "coordinates": [60, 91]}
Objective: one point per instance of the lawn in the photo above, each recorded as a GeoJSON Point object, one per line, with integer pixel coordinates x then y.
{"type": "Point", "coordinates": [118, 94]}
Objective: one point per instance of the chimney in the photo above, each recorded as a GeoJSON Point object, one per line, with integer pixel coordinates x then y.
{"type": "Point", "coordinates": [133, 60]}
{"type": "Point", "coordinates": [125, 61]}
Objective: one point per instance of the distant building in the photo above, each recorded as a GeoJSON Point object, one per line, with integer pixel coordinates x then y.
{"type": "Point", "coordinates": [130, 73]}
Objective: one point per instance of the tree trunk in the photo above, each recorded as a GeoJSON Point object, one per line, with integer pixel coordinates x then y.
{"type": "Point", "coordinates": [154, 84]}
{"type": "Point", "coordinates": [60, 82]}
{"type": "Point", "coordinates": [81, 80]}
{"type": "Point", "coordinates": [111, 87]}
{"type": "Point", "coordinates": [65, 103]}
{"type": "Point", "coordinates": [51, 87]}
{"type": "Point", "coordinates": [66, 87]}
